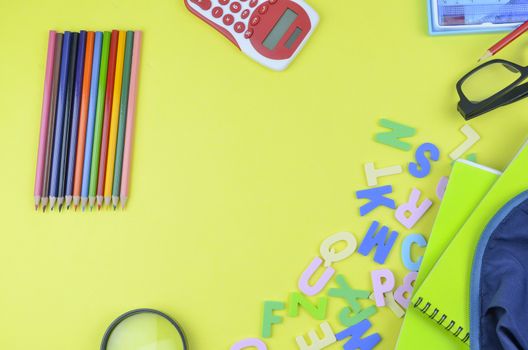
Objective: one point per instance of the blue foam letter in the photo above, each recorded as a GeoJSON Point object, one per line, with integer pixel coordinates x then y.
{"type": "Point", "coordinates": [422, 167]}
{"type": "Point", "coordinates": [384, 244]}
{"type": "Point", "coordinates": [355, 333]}
{"type": "Point", "coordinates": [376, 197]}
{"type": "Point", "coordinates": [406, 251]}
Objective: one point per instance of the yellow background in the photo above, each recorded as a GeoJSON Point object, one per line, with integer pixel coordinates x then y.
{"type": "Point", "coordinates": [239, 172]}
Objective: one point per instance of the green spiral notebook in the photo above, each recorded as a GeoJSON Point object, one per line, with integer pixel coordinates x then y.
{"type": "Point", "coordinates": [443, 297]}
{"type": "Point", "coordinates": [468, 184]}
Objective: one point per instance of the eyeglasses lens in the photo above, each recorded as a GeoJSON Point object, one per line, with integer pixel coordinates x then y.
{"type": "Point", "coordinates": [489, 80]}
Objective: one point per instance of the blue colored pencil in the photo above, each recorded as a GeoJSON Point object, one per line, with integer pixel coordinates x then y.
{"type": "Point", "coordinates": [59, 122]}
{"type": "Point", "coordinates": [96, 63]}
{"type": "Point", "coordinates": [66, 129]}
{"type": "Point", "coordinates": [79, 69]}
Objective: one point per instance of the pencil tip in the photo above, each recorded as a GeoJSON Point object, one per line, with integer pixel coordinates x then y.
{"type": "Point", "coordinates": [60, 207]}
{"type": "Point", "coordinates": [43, 208]}
{"type": "Point", "coordinates": [36, 207]}
{"type": "Point", "coordinates": [486, 55]}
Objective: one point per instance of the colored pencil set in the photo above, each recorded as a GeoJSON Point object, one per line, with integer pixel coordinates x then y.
{"type": "Point", "coordinates": [87, 125]}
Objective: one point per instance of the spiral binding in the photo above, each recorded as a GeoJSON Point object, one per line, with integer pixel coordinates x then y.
{"type": "Point", "coordinates": [451, 326]}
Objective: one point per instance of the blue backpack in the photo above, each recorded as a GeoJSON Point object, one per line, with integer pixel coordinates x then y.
{"type": "Point", "coordinates": [499, 281]}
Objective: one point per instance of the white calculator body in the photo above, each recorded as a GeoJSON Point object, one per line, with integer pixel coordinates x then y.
{"type": "Point", "coordinates": [272, 32]}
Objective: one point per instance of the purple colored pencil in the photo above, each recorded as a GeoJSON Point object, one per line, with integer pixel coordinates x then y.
{"type": "Point", "coordinates": [51, 123]}
{"type": "Point", "coordinates": [44, 122]}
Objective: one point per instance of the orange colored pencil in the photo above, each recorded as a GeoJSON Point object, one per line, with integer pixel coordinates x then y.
{"type": "Point", "coordinates": [85, 99]}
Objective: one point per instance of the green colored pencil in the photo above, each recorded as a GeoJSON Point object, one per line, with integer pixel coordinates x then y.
{"type": "Point", "coordinates": [96, 148]}
{"type": "Point", "coordinates": [116, 187]}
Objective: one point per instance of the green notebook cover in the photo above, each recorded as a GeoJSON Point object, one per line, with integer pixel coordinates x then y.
{"type": "Point", "coordinates": [443, 297]}
{"type": "Point", "coordinates": [468, 184]}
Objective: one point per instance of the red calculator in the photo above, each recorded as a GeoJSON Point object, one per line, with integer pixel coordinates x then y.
{"type": "Point", "coordinates": [272, 32]}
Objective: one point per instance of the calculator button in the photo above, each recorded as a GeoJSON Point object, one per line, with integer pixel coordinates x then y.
{"type": "Point", "coordinates": [254, 20]}
{"type": "Point", "coordinates": [240, 27]}
{"type": "Point", "coordinates": [218, 12]}
{"type": "Point", "coordinates": [204, 4]}
{"type": "Point", "coordinates": [223, 2]}
{"type": "Point", "coordinates": [263, 9]}
{"type": "Point", "coordinates": [272, 2]}
{"type": "Point", "coordinates": [249, 33]}
{"type": "Point", "coordinates": [235, 7]}
{"type": "Point", "coordinates": [253, 3]}
{"type": "Point", "coordinates": [228, 20]}
{"type": "Point", "coordinates": [245, 14]}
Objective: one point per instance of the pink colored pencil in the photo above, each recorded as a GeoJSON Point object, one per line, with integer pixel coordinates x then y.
{"type": "Point", "coordinates": [44, 118]}
{"type": "Point", "coordinates": [131, 111]}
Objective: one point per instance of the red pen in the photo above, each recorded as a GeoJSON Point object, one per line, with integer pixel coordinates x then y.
{"type": "Point", "coordinates": [505, 41]}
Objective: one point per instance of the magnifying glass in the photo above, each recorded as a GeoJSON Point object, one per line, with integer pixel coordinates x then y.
{"type": "Point", "coordinates": [144, 329]}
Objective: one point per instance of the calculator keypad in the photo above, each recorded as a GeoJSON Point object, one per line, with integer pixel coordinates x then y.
{"type": "Point", "coordinates": [240, 15]}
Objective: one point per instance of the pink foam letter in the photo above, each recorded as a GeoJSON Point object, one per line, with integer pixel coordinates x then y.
{"type": "Point", "coordinates": [414, 211]}
{"type": "Point", "coordinates": [379, 287]}
{"type": "Point", "coordinates": [250, 343]}
{"type": "Point", "coordinates": [406, 287]}
{"type": "Point", "coordinates": [304, 281]}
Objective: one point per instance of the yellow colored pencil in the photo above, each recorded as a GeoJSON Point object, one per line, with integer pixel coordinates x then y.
{"type": "Point", "coordinates": [114, 119]}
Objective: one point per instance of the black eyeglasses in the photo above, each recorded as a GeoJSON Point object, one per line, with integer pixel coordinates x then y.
{"type": "Point", "coordinates": [491, 85]}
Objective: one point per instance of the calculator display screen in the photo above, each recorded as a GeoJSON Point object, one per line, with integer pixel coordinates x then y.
{"type": "Point", "coordinates": [280, 28]}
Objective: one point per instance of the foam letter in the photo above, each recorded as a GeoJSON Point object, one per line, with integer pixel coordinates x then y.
{"type": "Point", "coordinates": [329, 254]}
{"type": "Point", "coordinates": [471, 138]}
{"type": "Point", "coordinates": [304, 281]}
{"type": "Point", "coordinates": [406, 251]}
{"type": "Point", "coordinates": [348, 318]}
{"type": "Point", "coordinates": [250, 343]}
{"type": "Point", "coordinates": [318, 311]}
{"type": "Point", "coordinates": [472, 157]}
{"type": "Point", "coordinates": [373, 174]}
{"type": "Point", "coordinates": [376, 197]}
{"type": "Point", "coordinates": [384, 244]}
{"type": "Point", "coordinates": [411, 207]}
{"type": "Point", "coordinates": [392, 138]}
{"type": "Point", "coordinates": [391, 304]}
{"type": "Point", "coordinates": [441, 187]}
{"type": "Point", "coordinates": [269, 318]}
{"type": "Point", "coordinates": [317, 343]}
{"type": "Point", "coordinates": [379, 287]}
{"type": "Point", "coordinates": [350, 295]}
{"type": "Point", "coordinates": [355, 333]}
{"type": "Point", "coordinates": [406, 287]}
{"type": "Point", "coordinates": [422, 167]}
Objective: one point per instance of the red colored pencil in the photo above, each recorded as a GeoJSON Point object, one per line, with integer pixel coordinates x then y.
{"type": "Point", "coordinates": [107, 114]}
{"type": "Point", "coordinates": [505, 41]}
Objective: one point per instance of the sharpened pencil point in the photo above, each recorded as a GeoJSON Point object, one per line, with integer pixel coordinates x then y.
{"type": "Point", "coordinates": [36, 207]}
{"type": "Point", "coordinates": [60, 207]}
{"type": "Point", "coordinates": [43, 208]}
{"type": "Point", "coordinates": [486, 55]}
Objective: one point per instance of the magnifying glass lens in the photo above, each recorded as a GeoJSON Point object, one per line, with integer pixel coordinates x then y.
{"type": "Point", "coordinates": [145, 331]}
